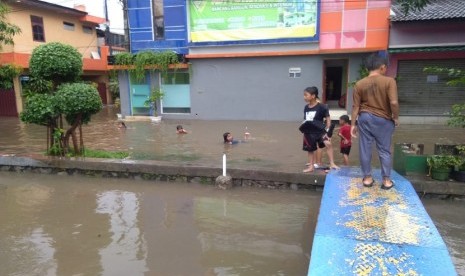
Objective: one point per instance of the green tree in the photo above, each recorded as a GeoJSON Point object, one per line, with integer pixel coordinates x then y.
{"type": "Point", "coordinates": [7, 30]}
{"type": "Point", "coordinates": [413, 5]}
{"type": "Point", "coordinates": [56, 62]}
{"type": "Point", "coordinates": [7, 73]}
{"type": "Point", "coordinates": [54, 93]}
{"type": "Point", "coordinates": [77, 102]}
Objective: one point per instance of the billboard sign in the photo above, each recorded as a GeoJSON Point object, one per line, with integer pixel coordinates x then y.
{"type": "Point", "coordinates": [239, 20]}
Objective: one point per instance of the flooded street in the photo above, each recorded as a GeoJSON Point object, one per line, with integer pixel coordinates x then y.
{"type": "Point", "coordinates": [448, 218]}
{"type": "Point", "coordinates": [272, 145]}
{"type": "Point", "coordinates": [75, 225]}
{"type": "Point", "coordinates": [61, 225]}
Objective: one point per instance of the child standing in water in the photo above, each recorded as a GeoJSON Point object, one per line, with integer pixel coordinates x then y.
{"type": "Point", "coordinates": [315, 129]}
{"type": "Point", "coordinates": [346, 139]}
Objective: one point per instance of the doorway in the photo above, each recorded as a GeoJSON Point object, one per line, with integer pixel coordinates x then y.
{"type": "Point", "coordinates": [335, 83]}
{"type": "Point", "coordinates": [8, 103]}
{"type": "Point", "coordinates": [140, 93]}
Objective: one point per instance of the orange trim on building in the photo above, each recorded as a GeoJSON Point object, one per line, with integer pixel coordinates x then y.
{"type": "Point", "coordinates": [18, 59]}
{"type": "Point", "coordinates": [126, 67]}
{"type": "Point", "coordinates": [88, 63]}
{"type": "Point", "coordinates": [101, 64]}
{"type": "Point", "coordinates": [330, 22]}
{"type": "Point", "coordinates": [288, 53]}
{"type": "Point", "coordinates": [92, 19]}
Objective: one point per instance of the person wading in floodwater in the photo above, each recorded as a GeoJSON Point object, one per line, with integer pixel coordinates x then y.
{"type": "Point", "coordinates": [376, 110]}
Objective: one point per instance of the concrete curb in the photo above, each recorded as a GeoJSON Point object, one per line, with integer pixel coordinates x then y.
{"type": "Point", "coordinates": [424, 185]}
{"type": "Point", "coordinates": [166, 171]}
{"type": "Point", "coordinates": [161, 171]}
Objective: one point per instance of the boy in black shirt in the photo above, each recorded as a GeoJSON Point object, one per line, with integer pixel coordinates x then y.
{"type": "Point", "coordinates": [315, 129]}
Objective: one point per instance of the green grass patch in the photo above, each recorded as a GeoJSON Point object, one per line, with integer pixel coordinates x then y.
{"type": "Point", "coordinates": [105, 154]}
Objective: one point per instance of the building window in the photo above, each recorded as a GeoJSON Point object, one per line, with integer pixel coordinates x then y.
{"type": "Point", "coordinates": [87, 29]}
{"type": "Point", "coordinates": [37, 24]}
{"type": "Point", "coordinates": [68, 26]}
{"type": "Point", "coordinates": [158, 19]}
{"type": "Point", "coordinates": [176, 88]}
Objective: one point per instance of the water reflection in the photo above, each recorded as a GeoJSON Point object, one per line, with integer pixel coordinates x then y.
{"type": "Point", "coordinates": [127, 245]}
{"type": "Point", "coordinates": [59, 225]}
{"type": "Point", "coordinates": [271, 231]}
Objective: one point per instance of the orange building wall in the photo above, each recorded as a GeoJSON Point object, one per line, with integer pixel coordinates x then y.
{"type": "Point", "coordinates": [54, 31]}
{"type": "Point", "coordinates": [85, 43]}
{"type": "Point", "coordinates": [360, 24]}
{"type": "Point", "coordinates": [20, 53]}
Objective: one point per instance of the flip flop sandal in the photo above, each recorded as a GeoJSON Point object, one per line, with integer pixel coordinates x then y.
{"type": "Point", "coordinates": [384, 187]}
{"type": "Point", "coordinates": [368, 185]}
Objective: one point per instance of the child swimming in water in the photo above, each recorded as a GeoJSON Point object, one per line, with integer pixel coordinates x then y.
{"type": "Point", "coordinates": [180, 130]}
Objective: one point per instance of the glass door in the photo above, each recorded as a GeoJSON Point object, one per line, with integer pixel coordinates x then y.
{"type": "Point", "coordinates": [140, 92]}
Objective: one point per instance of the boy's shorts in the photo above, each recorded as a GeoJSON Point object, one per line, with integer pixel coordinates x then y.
{"type": "Point", "coordinates": [312, 141]}
{"type": "Point", "coordinates": [345, 150]}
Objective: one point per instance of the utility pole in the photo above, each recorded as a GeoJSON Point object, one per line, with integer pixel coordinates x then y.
{"type": "Point", "coordinates": [126, 25]}
{"type": "Point", "coordinates": [107, 27]}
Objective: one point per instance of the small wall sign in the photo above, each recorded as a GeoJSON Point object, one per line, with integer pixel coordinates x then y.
{"type": "Point", "coordinates": [295, 72]}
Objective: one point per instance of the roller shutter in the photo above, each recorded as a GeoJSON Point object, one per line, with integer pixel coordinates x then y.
{"type": "Point", "coordinates": [426, 94]}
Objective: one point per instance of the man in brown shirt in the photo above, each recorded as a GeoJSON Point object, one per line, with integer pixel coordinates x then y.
{"type": "Point", "coordinates": [376, 109]}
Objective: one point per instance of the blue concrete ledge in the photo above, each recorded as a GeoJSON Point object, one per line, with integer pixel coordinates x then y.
{"type": "Point", "coordinates": [370, 231]}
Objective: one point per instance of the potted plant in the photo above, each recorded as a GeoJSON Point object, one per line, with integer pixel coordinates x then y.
{"type": "Point", "coordinates": [440, 166]}
{"type": "Point", "coordinates": [155, 96]}
{"type": "Point", "coordinates": [459, 170]}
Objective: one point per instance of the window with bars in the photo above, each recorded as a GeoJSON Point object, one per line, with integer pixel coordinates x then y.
{"type": "Point", "coordinates": [37, 24]}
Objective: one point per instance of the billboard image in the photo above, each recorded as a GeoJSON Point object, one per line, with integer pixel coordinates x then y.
{"type": "Point", "coordinates": [236, 20]}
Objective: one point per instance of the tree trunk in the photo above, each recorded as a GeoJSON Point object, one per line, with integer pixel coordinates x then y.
{"type": "Point", "coordinates": [51, 133]}
{"type": "Point", "coordinates": [75, 143]}
{"type": "Point", "coordinates": [81, 140]}
{"type": "Point", "coordinates": [71, 132]}
{"type": "Point", "coordinates": [48, 139]}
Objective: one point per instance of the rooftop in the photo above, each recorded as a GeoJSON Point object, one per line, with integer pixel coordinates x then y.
{"type": "Point", "coordinates": [81, 14]}
{"type": "Point", "coordinates": [439, 9]}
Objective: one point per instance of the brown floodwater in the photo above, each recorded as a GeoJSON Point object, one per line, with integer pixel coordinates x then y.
{"type": "Point", "coordinates": [58, 225]}
{"type": "Point", "coordinates": [272, 145]}
{"type": "Point", "coordinates": [75, 225]}
{"type": "Point", "coordinates": [448, 216]}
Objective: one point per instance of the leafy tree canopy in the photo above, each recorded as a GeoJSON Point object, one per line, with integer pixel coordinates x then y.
{"type": "Point", "coordinates": [78, 98]}
{"type": "Point", "coordinates": [7, 73]}
{"type": "Point", "coordinates": [40, 109]}
{"type": "Point", "coordinates": [413, 5]}
{"type": "Point", "coordinates": [54, 93]}
{"type": "Point", "coordinates": [7, 30]}
{"type": "Point", "coordinates": [57, 62]}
